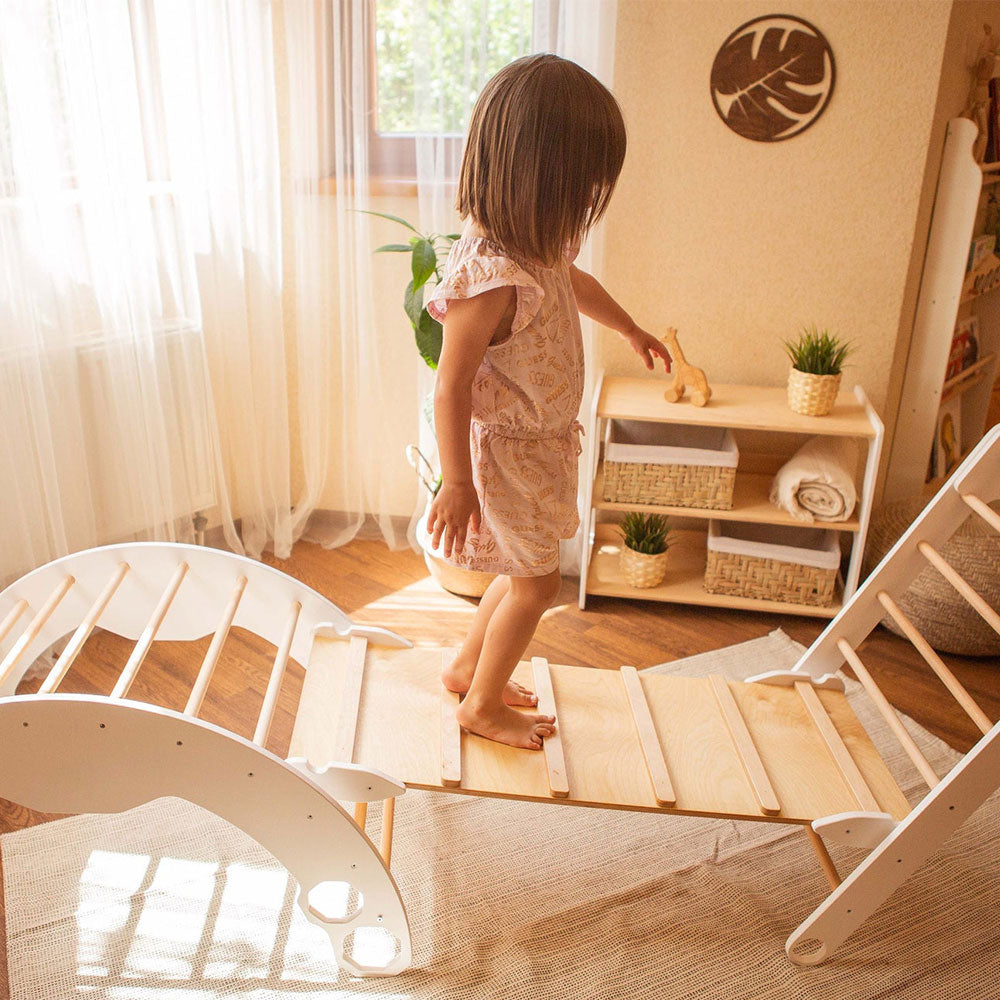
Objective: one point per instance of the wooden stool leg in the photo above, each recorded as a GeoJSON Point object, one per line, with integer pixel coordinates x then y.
{"type": "Point", "coordinates": [388, 816]}
{"type": "Point", "coordinates": [360, 813]}
{"type": "Point", "coordinates": [825, 861]}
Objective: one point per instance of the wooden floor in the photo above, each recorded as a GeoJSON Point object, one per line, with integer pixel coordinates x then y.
{"type": "Point", "coordinates": [373, 584]}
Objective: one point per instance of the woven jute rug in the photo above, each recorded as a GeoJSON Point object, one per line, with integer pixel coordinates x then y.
{"type": "Point", "coordinates": [506, 900]}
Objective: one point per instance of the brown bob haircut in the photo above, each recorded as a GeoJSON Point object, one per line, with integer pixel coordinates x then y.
{"type": "Point", "coordinates": [545, 146]}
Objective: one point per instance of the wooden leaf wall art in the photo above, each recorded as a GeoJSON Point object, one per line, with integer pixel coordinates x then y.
{"type": "Point", "coordinates": [773, 77]}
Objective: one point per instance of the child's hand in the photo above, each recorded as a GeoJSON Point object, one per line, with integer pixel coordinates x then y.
{"type": "Point", "coordinates": [646, 346]}
{"type": "Point", "coordinates": [455, 507]}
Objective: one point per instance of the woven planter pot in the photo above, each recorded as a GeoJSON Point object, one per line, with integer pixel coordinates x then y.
{"type": "Point", "coordinates": [941, 615]}
{"type": "Point", "coordinates": [642, 570]}
{"type": "Point", "coordinates": [454, 579]}
{"type": "Point", "coordinates": [812, 395]}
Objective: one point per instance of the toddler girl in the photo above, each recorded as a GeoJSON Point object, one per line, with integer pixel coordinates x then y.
{"type": "Point", "coordinates": [545, 147]}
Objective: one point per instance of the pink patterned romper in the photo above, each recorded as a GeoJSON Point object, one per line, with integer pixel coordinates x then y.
{"type": "Point", "coordinates": [526, 396]}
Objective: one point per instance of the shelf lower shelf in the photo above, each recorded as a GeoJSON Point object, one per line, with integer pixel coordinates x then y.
{"type": "Point", "coordinates": [750, 503]}
{"type": "Point", "coordinates": [683, 582]}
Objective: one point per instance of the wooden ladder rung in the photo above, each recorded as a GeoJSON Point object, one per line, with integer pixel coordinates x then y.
{"type": "Point", "coordinates": [127, 676]}
{"type": "Point", "coordinates": [949, 572]}
{"type": "Point", "coordinates": [350, 701]}
{"type": "Point", "coordinates": [555, 763]}
{"type": "Point", "coordinates": [652, 751]}
{"type": "Point", "coordinates": [451, 737]}
{"type": "Point", "coordinates": [987, 513]}
{"type": "Point", "coordinates": [12, 616]}
{"type": "Point", "coordinates": [888, 713]}
{"type": "Point", "coordinates": [208, 664]}
{"type": "Point", "coordinates": [35, 626]}
{"type": "Point", "coordinates": [277, 673]}
{"type": "Point", "coordinates": [931, 658]}
{"type": "Point", "coordinates": [838, 749]}
{"type": "Point", "coordinates": [61, 667]}
{"type": "Point", "coordinates": [763, 791]}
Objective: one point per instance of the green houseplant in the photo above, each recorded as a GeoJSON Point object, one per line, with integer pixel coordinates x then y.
{"type": "Point", "coordinates": [817, 359]}
{"type": "Point", "coordinates": [423, 250]}
{"type": "Point", "coordinates": [643, 557]}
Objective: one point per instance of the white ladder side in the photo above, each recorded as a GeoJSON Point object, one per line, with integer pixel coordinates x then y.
{"type": "Point", "coordinates": [900, 854]}
{"type": "Point", "coordinates": [979, 474]}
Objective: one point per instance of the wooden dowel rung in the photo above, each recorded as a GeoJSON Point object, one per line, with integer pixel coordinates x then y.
{"type": "Point", "coordinates": [141, 648]}
{"type": "Point", "coordinates": [388, 815]}
{"type": "Point", "coordinates": [555, 762]}
{"type": "Point", "coordinates": [208, 665]}
{"type": "Point", "coordinates": [825, 861]}
{"type": "Point", "coordinates": [350, 700]}
{"type": "Point", "coordinates": [949, 572]}
{"type": "Point", "coordinates": [360, 813]}
{"type": "Point", "coordinates": [763, 791]}
{"type": "Point", "coordinates": [61, 667]}
{"type": "Point", "coordinates": [451, 739]}
{"type": "Point", "coordinates": [838, 750]}
{"type": "Point", "coordinates": [652, 751]}
{"type": "Point", "coordinates": [277, 673]}
{"type": "Point", "coordinates": [888, 713]}
{"type": "Point", "coordinates": [11, 617]}
{"type": "Point", "coordinates": [36, 625]}
{"type": "Point", "coordinates": [931, 658]}
{"type": "Point", "coordinates": [984, 510]}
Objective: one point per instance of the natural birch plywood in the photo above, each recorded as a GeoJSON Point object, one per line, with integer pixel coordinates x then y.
{"type": "Point", "coordinates": [763, 408]}
{"type": "Point", "coordinates": [400, 732]}
{"type": "Point", "coordinates": [555, 762]}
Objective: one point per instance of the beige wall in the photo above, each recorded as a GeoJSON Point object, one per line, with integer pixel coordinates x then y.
{"type": "Point", "coordinates": [738, 243]}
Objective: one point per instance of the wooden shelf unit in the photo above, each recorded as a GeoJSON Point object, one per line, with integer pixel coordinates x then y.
{"type": "Point", "coordinates": [748, 408]}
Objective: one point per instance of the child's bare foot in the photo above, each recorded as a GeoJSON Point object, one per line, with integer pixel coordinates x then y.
{"type": "Point", "coordinates": [457, 677]}
{"type": "Point", "coordinates": [505, 725]}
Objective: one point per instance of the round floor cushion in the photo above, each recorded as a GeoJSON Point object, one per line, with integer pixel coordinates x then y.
{"type": "Point", "coordinates": [944, 618]}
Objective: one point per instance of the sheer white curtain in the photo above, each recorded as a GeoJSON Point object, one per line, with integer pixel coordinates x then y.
{"type": "Point", "coordinates": [185, 312]}
{"type": "Point", "coordinates": [188, 298]}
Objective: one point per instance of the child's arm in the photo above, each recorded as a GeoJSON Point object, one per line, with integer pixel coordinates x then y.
{"type": "Point", "coordinates": [593, 301]}
{"type": "Point", "coordinates": [469, 326]}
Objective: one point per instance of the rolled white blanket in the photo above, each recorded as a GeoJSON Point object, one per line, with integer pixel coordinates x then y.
{"type": "Point", "coordinates": [817, 482]}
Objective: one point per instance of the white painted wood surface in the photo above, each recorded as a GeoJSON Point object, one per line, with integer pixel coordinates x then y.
{"type": "Point", "coordinates": [82, 753]}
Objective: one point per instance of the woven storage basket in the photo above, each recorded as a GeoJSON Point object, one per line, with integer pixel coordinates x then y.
{"type": "Point", "coordinates": [671, 465]}
{"type": "Point", "coordinates": [942, 616]}
{"type": "Point", "coordinates": [769, 563]}
{"type": "Point", "coordinates": [641, 569]}
{"type": "Point", "coordinates": [812, 395]}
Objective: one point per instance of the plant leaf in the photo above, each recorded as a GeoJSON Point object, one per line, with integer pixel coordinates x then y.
{"type": "Point", "coordinates": [391, 218]}
{"type": "Point", "coordinates": [424, 262]}
{"type": "Point", "coordinates": [429, 337]}
{"type": "Point", "coordinates": [413, 304]}
{"type": "Point", "coordinates": [393, 248]}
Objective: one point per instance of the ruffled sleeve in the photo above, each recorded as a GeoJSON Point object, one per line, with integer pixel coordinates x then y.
{"type": "Point", "coordinates": [470, 271]}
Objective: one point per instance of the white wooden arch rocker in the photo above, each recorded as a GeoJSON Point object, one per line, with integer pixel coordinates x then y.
{"type": "Point", "coordinates": [71, 753]}
{"type": "Point", "coordinates": [783, 747]}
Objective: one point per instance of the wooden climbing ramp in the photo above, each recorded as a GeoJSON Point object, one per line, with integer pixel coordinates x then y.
{"type": "Point", "coordinates": [625, 740]}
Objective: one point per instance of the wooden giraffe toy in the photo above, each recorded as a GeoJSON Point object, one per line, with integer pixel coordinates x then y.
{"type": "Point", "coordinates": [685, 376]}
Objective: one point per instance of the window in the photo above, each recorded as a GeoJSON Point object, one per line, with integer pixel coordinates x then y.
{"type": "Point", "coordinates": [429, 60]}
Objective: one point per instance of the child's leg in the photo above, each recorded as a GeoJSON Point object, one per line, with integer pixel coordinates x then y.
{"type": "Point", "coordinates": [508, 632]}
{"type": "Point", "coordinates": [458, 676]}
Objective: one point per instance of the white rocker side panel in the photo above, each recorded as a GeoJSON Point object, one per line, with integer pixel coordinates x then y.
{"type": "Point", "coordinates": [81, 753]}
